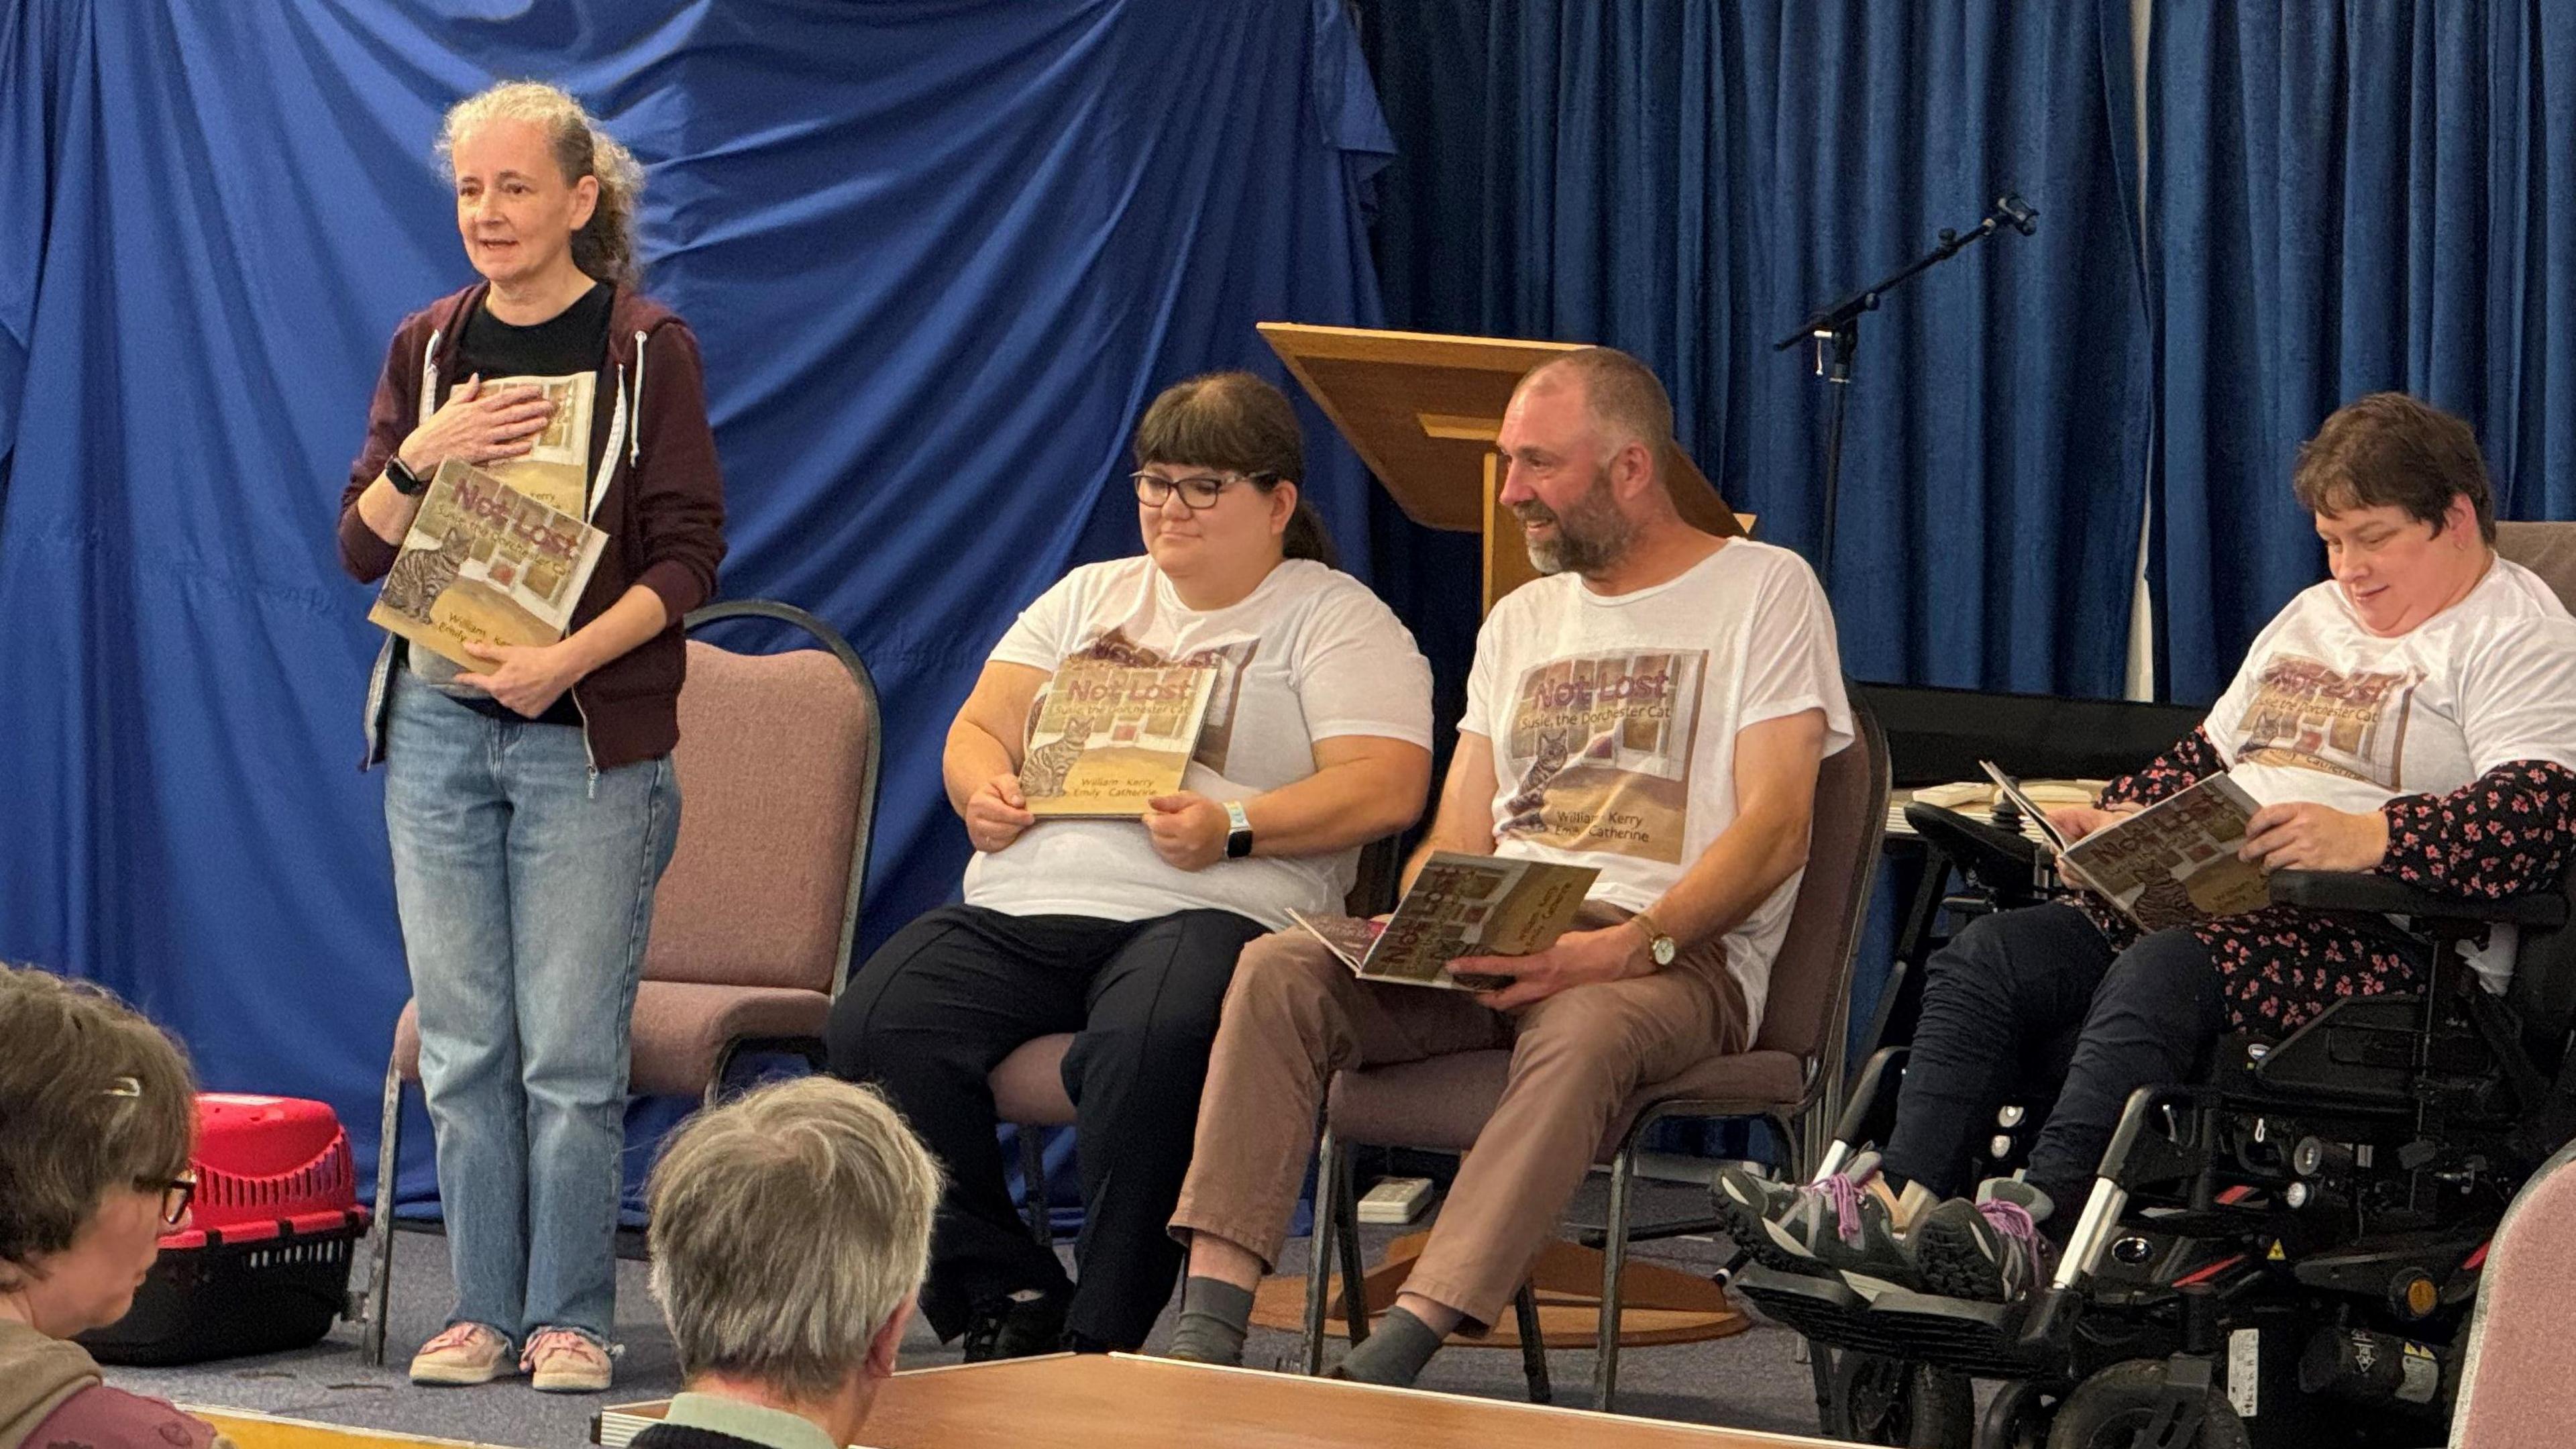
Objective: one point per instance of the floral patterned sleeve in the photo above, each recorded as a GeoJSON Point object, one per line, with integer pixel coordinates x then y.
{"type": "Point", "coordinates": [2505, 833]}
{"type": "Point", "coordinates": [2191, 760]}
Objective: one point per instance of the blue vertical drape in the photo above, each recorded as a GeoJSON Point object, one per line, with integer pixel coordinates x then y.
{"type": "Point", "coordinates": [939, 255]}
{"type": "Point", "coordinates": [1688, 181]}
{"type": "Point", "coordinates": [2347, 197]}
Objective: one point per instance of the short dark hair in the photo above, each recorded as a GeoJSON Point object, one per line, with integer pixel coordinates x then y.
{"type": "Point", "coordinates": [1627, 401]}
{"type": "Point", "coordinates": [92, 1097]}
{"type": "Point", "coordinates": [1239, 422]}
{"type": "Point", "coordinates": [2388, 450]}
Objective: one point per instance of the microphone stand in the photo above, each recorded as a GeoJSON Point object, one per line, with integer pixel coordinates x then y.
{"type": "Point", "coordinates": [1835, 329]}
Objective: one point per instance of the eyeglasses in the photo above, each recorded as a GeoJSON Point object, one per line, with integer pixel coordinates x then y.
{"type": "Point", "coordinates": [1154, 490]}
{"type": "Point", "coordinates": [176, 1194]}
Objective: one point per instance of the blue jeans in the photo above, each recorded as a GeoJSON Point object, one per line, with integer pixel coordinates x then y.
{"type": "Point", "coordinates": [525, 885]}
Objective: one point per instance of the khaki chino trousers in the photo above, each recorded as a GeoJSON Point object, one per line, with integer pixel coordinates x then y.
{"type": "Point", "coordinates": [1295, 1015]}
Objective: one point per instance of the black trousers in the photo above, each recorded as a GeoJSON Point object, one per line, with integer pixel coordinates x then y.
{"type": "Point", "coordinates": [1995, 1000]}
{"type": "Point", "coordinates": [938, 1007]}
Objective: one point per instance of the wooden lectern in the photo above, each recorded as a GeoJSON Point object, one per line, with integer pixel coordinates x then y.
{"type": "Point", "coordinates": [1422, 410]}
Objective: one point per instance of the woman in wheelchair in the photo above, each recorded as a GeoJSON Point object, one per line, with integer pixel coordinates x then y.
{"type": "Point", "coordinates": [2414, 716]}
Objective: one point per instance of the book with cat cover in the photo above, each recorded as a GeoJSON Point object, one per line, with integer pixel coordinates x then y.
{"type": "Point", "coordinates": [2171, 864]}
{"type": "Point", "coordinates": [485, 563]}
{"type": "Point", "coordinates": [1460, 905]}
{"type": "Point", "coordinates": [1110, 737]}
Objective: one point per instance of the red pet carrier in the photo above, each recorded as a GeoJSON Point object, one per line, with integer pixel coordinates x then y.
{"type": "Point", "coordinates": [264, 1262]}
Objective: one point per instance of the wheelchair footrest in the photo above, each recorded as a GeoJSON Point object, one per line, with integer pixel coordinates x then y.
{"type": "Point", "coordinates": [1980, 1339]}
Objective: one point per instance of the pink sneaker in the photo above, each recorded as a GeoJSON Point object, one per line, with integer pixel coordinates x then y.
{"type": "Point", "coordinates": [463, 1353]}
{"type": "Point", "coordinates": [560, 1361]}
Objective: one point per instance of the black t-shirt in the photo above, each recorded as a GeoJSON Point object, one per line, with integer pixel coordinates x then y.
{"type": "Point", "coordinates": [573, 340]}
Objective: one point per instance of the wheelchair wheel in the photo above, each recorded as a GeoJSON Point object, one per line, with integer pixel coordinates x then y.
{"type": "Point", "coordinates": [2107, 1410]}
{"type": "Point", "coordinates": [1883, 1400]}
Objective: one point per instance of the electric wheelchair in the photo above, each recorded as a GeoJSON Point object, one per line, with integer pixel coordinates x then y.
{"type": "Point", "coordinates": [2283, 1254]}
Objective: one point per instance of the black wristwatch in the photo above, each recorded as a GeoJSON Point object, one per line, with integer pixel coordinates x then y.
{"type": "Point", "coordinates": [1238, 835]}
{"type": "Point", "coordinates": [405, 481]}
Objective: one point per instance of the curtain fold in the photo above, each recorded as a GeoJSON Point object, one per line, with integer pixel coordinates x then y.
{"type": "Point", "coordinates": [2347, 197]}
{"type": "Point", "coordinates": [1687, 182]}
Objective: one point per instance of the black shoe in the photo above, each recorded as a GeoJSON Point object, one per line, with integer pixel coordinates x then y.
{"type": "Point", "coordinates": [1016, 1327]}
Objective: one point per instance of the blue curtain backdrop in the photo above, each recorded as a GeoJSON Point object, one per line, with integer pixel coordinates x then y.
{"type": "Point", "coordinates": [2348, 197]}
{"type": "Point", "coordinates": [939, 254]}
{"type": "Point", "coordinates": [1687, 181]}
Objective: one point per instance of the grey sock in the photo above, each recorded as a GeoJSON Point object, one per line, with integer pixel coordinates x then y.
{"type": "Point", "coordinates": [1214, 1316]}
{"type": "Point", "coordinates": [1394, 1354]}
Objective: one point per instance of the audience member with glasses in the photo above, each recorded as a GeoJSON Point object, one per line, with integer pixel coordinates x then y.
{"type": "Point", "coordinates": [1124, 932]}
{"type": "Point", "coordinates": [98, 1120]}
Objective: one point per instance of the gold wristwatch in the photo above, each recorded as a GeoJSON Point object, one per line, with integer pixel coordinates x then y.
{"type": "Point", "coordinates": [1659, 945]}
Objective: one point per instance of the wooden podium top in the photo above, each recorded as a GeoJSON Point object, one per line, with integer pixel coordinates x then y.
{"type": "Point", "coordinates": [1422, 409]}
{"type": "Point", "coordinates": [1121, 1400]}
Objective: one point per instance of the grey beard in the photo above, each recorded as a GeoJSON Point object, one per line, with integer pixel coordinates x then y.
{"type": "Point", "coordinates": [1579, 550]}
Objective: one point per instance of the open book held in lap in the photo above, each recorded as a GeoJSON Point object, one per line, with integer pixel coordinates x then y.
{"type": "Point", "coordinates": [1460, 905]}
{"type": "Point", "coordinates": [2171, 864]}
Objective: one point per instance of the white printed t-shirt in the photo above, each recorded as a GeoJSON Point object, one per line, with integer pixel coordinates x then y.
{"type": "Point", "coordinates": [1310, 654]}
{"type": "Point", "coordinates": [1613, 721]}
{"type": "Point", "coordinates": [2325, 711]}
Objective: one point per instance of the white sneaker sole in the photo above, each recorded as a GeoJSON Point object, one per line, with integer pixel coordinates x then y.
{"type": "Point", "coordinates": [457, 1376]}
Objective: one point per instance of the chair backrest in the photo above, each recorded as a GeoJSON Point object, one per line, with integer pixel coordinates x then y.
{"type": "Point", "coordinates": [2514, 1386]}
{"type": "Point", "coordinates": [2547, 549]}
{"type": "Point", "coordinates": [1811, 977]}
{"type": "Point", "coordinates": [2543, 994]}
{"type": "Point", "coordinates": [778, 764]}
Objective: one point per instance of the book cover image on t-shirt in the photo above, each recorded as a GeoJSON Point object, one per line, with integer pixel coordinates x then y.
{"type": "Point", "coordinates": [2306, 714]}
{"type": "Point", "coordinates": [1601, 747]}
{"type": "Point", "coordinates": [556, 468]}
{"type": "Point", "coordinates": [485, 563]}
{"type": "Point", "coordinates": [1108, 739]}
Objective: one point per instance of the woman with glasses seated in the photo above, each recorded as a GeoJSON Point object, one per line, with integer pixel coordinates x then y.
{"type": "Point", "coordinates": [98, 1119]}
{"type": "Point", "coordinates": [1124, 931]}
{"type": "Point", "coordinates": [2414, 716]}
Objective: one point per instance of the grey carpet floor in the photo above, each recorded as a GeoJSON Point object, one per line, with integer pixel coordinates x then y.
{"type": "Point", "coordinates": [1752, 1380]}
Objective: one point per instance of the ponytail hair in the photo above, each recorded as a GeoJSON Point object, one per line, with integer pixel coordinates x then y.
{"type": "Point", "coordinates": [1238, 422]}
{"type": "Point", "coordinates": [604, 248]}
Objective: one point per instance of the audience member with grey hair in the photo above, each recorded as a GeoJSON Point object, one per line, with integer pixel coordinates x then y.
{"type": "Point", "coordinates": [790, 1231]}
{"type": "Point", "coordinates": [98, 1118]}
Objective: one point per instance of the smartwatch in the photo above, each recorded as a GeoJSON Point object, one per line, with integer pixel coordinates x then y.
{"type": "Point", "coordinates": [405, 481]}
{"type": "Point", "coordinates": [1238, 833]}
{"type": "Point", "coordinates": [1658, 945]}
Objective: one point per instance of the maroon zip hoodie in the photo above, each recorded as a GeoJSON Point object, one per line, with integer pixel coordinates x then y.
{"type": "Point", "coordinates": [662, 507]}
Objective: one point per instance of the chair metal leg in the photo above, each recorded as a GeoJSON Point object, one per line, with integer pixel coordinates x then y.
{"type": "Point", "coordinates": [380, 1229]}
{"type": "Point", "coordinates": [1533, 1345]}
{"type": "Point", "coordinates": [1346, 1239]}
{"type": "Point", "coordinates": [1614, 1262]}
{"type": "Point", "coordinates": [1320, 1253]}
{"type": "Point", "coordinates": [1820, 1367]}
{"type": "Point", "coordinates": [1033, 1184]}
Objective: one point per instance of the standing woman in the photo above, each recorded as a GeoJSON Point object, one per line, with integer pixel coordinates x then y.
{"type": "Point", "coordinates": [531, 802]}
